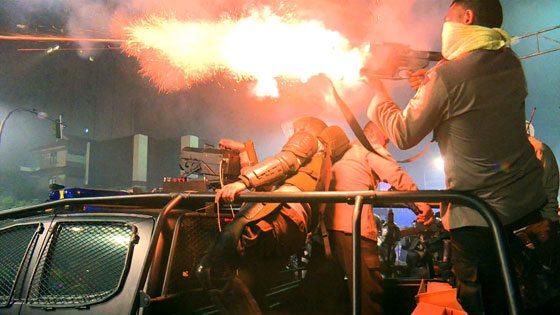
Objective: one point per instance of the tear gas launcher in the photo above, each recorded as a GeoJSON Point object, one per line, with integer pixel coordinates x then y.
{"type": "Point", "coordinates": [396, 61]}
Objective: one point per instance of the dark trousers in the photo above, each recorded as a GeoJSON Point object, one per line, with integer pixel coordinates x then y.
{"type": "Point", "coordinates": [266, 246]}
{"type": "Point", "coordinates": [372, 286]}
{"type": "Point", "coordinates": [258, 244]}
{"type": "Point", "coordinates": [477, 271]}
{"type": "Point", "coordinates": [324, 290]}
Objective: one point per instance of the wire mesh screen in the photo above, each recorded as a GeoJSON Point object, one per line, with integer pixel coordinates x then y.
{"type": "Point", "coordinates": [13, 245]}
{"type": "Point", "coordinates": [196, 233]}
{"type": "Point", "coordinates": [83, 264]}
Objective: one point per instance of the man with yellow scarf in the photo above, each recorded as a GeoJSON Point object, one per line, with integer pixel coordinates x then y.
{"type": "Point", "coordinates": [474, 102]}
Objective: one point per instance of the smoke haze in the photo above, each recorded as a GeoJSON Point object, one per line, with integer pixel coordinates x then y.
{"type": "Point", "coordinates": [221, 108]}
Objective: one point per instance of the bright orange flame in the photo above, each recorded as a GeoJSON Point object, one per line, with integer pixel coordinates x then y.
{"type": "Point", "coordinates": [262, 46]}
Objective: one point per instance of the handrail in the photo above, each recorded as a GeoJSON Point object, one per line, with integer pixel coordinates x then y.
{"type": "Point", "coordinates": [354, 197]}
{"type": "Point", "coordinates": [357, 255]}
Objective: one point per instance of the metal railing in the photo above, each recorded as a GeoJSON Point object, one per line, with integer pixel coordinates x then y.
{"type": "Point", "coordinates": [539, 36]}
{"type": "Point", "coordinates": [172, 201]}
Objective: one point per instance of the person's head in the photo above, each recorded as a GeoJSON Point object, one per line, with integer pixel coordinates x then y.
{"type": "Point", "coordinates": [390, 216]}
{"type": "Point", "coordinates": [487, 13]}
{"type": "Point", "coordinates": [375, 135]}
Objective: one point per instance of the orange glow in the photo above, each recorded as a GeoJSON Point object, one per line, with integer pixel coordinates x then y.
{"type": "Point", "coordinates": [261, 46]}
{"type": "Point", "coordinates": [57, 39]}
{"type": "Point", "coordinates": [67, 49]}
{"type": "Point", "coordinates": [266, 87]}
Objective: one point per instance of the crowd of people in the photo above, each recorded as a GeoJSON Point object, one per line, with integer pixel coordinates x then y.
{"type": "Point", "coordinates": [474, 103]}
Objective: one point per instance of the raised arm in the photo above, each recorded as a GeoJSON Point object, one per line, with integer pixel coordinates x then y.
{"type": "Point", "coordinates": [406, 128]}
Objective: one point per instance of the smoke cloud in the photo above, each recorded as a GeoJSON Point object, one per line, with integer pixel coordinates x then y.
{"type": "Point", "coordinates": [221, 108]}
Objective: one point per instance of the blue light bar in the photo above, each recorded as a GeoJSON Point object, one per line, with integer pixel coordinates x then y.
{"type": "Point", "coordinates": [69, 193]}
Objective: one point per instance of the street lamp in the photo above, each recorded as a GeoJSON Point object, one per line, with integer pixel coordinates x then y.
{"type": "Point", "coordinates": [40, 115]}
{"type": "Point", "coordinates": [439, 163]}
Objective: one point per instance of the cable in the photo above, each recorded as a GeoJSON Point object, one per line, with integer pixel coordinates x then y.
{"type": "Point", "coordinates": [209, 168]}
{"type": "Point", "coordinates": [218, 201]}
{"type": "Point", "coordinates": [219, 223]}
{"type": "Point", "coordinates": [221, 176]}
{"type": "Point", "coordinates": [222, 185]}
{"type": "Point", "coordinates": [202, 208]}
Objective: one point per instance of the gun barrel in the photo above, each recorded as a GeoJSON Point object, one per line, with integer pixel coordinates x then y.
{"type": "Point", "coordinates": [428, 55]}
{"type": "Point", "coordinates": [435, 56]}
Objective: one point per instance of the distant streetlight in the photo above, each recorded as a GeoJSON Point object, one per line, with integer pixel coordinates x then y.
{"type": "Point", "coordinates": [40, 115]}
{"type": "Point", "coordinates": [438, 163]}
{"type": "Point", "coordinates": [433, 175]}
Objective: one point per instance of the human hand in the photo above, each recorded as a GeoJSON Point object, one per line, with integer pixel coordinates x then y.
{"type": "Point", "coordinates": [416, 78]}
{"type": "Point", "coordinates": [378, 87]}
{"type": "Point", "coordinates": [229, 191]}
{"type": "Point", "coordinates": [426, 215]}
{"type": "Point", "coordinates": [231, 145]}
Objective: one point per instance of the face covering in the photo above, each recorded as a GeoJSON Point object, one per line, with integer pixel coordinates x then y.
{"type": "Point", "coordinates": [458, 38]}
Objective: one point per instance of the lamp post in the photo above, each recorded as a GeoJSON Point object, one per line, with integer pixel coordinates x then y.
{"type": "Point", "coordinates": [40, 115]}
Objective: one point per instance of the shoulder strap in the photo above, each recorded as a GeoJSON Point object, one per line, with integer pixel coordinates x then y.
{"type": "Point", "coordinates": [351, 119]}
{"type": "Point", "coordinates": [323, 185]}
{"type": "Point", "coordinates": [359, 132]}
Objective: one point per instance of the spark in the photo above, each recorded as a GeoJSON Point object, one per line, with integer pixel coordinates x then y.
{"type": "Point", "coordinates": [53, 49]}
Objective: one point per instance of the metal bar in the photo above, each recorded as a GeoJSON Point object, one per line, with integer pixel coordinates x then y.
{"type": "Point", "coordinates": [539, 53]}
{"type": "Point", "coordinates": [160, 222]}
{"type": "Point", "coordinates": [125, 200]}
{"type": "Point", "coordinates": [538, 35]}
{"type": "Point", "coordinates": [357, 256]}
{"type": "Point", "coordinates": [539, 32]}
{"type": "Point", "coordinates": [465, 199]}
{"type": "Point", "coordinates": [433, 196]}
{"type": "Point", "coordinates": [550, 39]}
{"type": "Point", "coordinates": [171, 258]}
{"type": "Point", "coordinates": [159, 200]}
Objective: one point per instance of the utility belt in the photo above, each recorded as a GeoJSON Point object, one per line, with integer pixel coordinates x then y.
{"type": "Point", "coordinates": [537, 251]}
{"type": "Point", "coordinates": [532, 230]}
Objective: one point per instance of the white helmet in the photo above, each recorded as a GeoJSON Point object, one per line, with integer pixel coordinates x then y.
{"type": "Point", "coordinates": [308, 123]}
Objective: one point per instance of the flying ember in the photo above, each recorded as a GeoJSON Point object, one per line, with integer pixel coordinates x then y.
{"type": "Point", "coordinates": [262, 46]}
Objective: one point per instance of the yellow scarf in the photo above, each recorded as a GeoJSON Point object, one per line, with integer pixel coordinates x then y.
{"type": "Point", "coordinates": [458, 38]}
